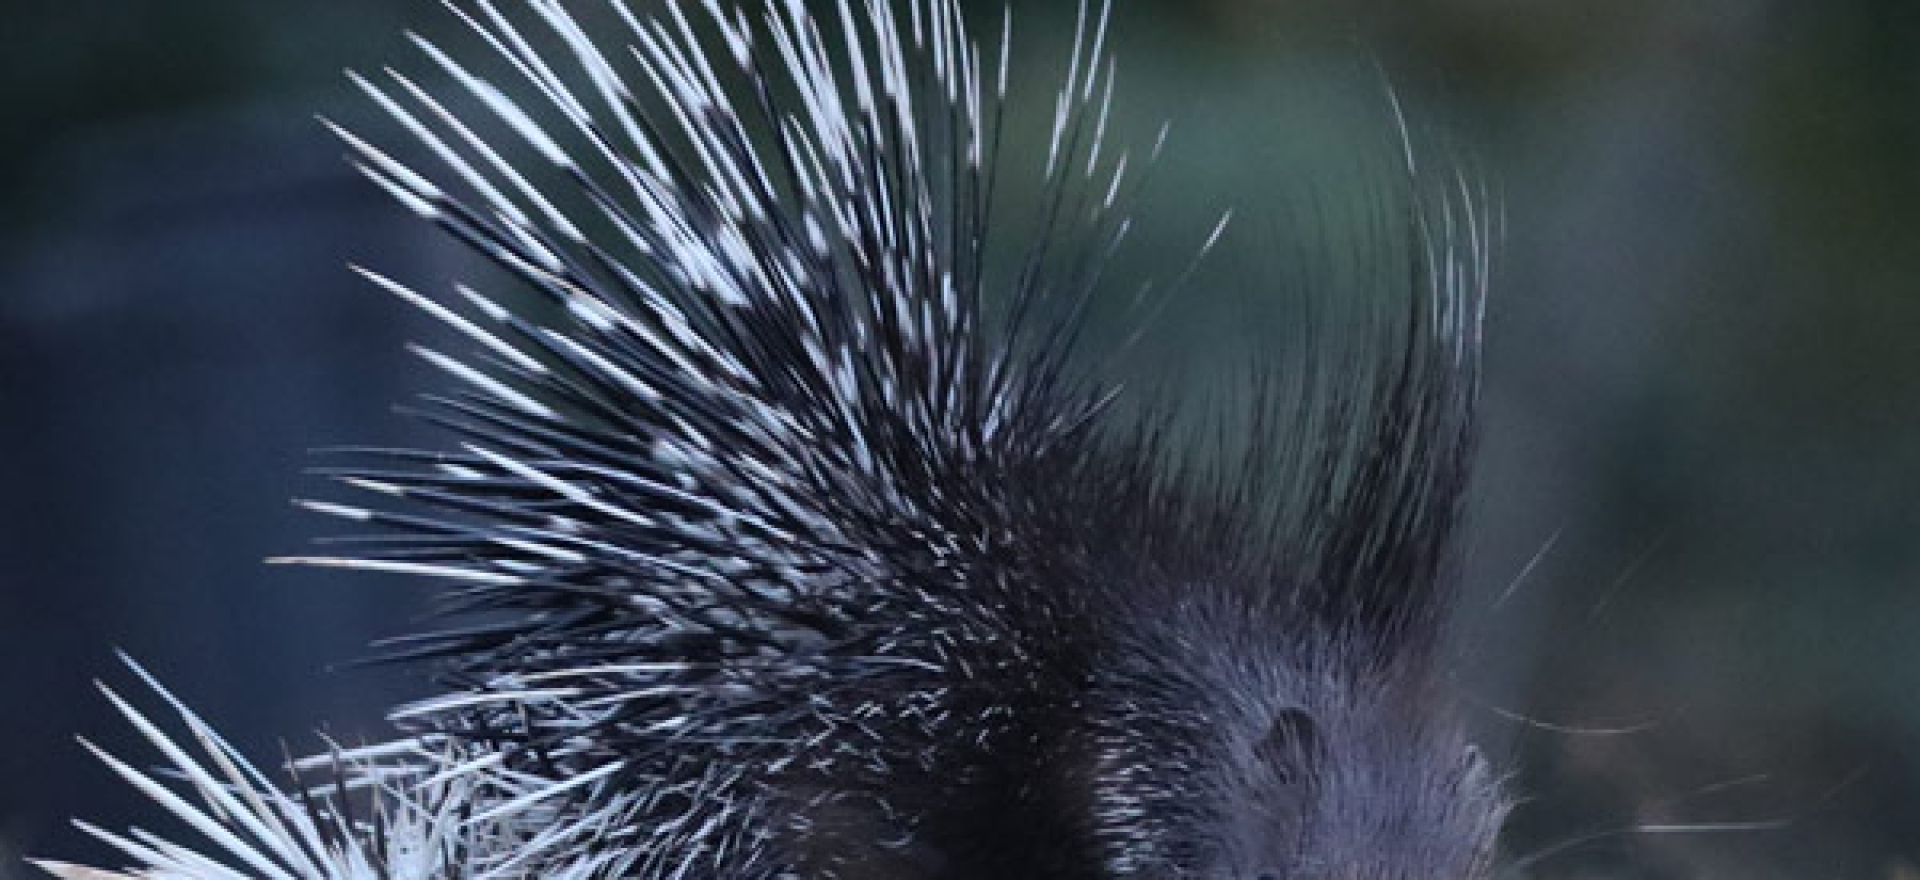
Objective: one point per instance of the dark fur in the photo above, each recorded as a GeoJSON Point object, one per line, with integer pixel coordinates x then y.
{"type": "Point", "coordinates": [984, 625]}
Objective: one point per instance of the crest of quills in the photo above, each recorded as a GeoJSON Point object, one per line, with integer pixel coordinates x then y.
{"type": "Point", "coordinates": [784, 537]}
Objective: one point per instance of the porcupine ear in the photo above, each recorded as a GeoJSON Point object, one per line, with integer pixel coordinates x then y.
{"type": "Point", "coordinates": [1291, 744]}
{"type": "Point", "coordinates": [1387, 453]}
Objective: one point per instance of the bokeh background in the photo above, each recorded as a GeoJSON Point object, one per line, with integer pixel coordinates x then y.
{"type": "Point", "coordinates": [1694, 620]}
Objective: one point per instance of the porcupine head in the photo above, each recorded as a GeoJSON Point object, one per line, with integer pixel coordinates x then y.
{"type": "Point", "coordinates": [793, 540]}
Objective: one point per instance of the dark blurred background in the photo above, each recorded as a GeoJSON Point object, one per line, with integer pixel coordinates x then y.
{"type": "Point", "coordinates": [1694, 627]}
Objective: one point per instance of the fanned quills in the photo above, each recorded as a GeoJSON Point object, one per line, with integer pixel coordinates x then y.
{"type": "Point", "coordinates": [782, 535]}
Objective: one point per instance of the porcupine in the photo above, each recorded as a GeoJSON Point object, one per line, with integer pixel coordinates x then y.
{"type": "Point", "coordinates": [783, 554]}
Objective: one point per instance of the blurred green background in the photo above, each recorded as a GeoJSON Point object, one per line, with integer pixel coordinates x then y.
{"type": "Point", "coordinates": [1695, 556]}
